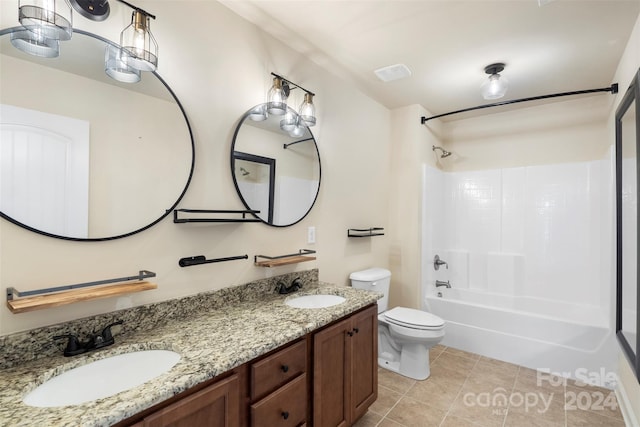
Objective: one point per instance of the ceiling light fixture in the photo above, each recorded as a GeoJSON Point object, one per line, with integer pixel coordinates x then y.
{"type": "Point", "coordinates": [277, 104]}
{"type": "Point", "coordinates": [137, 42]}
{"type": "Point", "coordinates": [496, 85]}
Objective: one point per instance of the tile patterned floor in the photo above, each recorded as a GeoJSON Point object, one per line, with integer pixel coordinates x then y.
{"type": "Point", "coordinates": [468, 390]}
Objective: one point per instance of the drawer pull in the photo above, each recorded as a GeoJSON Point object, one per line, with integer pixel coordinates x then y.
{"type": "Point", "coordinates": [356, 330]}
{"type": "Point", "coordinates": [285, 415]}
{"type": "Point", "coordinates": [350, 333]}
{"type": "Point", "coordinates": [285, 368]}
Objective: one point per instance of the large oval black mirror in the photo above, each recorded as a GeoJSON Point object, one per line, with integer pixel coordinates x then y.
{"type": "Point", "coordinates": [276, 170]}
{"type": "Point", "coordinates": [83, 156]}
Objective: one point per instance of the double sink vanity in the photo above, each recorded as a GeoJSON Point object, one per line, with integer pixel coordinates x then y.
{"type": "Point", "coordinates": [241, 356]}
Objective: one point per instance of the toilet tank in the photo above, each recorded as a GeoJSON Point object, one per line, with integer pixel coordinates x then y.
{"type": "Point", "coordinates": [373, 279]}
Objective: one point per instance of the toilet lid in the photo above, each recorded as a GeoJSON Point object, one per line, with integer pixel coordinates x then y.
{"type": "Point", "coordinates": [413, 318]}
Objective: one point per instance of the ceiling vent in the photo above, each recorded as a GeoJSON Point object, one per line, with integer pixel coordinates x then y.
{"type": "Point", "coordinates": [393, 72]}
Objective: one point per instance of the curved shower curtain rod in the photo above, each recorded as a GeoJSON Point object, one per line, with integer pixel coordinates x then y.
{"type": "Point", "coordinates": [613, 89]}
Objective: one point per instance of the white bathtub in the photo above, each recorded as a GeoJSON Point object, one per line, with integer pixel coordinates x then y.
{"type": "Point", "coordinates": [568, 339]}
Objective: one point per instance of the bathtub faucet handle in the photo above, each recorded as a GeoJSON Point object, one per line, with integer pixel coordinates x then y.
{"type": "Point", "coordinates": [437, 262]}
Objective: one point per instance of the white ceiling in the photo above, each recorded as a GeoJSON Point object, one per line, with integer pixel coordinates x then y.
{"type": "Point", "coordinates": [561, 46]}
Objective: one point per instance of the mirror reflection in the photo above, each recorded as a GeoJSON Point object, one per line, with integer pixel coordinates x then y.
{"type": "Point", "coordinates": [82, 156]}
{"type": "Point", "coordinates": [275, 171]}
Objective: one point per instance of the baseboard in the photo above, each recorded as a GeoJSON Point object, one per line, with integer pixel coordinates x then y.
{"type": "Point", "coordinates": [625, 407]}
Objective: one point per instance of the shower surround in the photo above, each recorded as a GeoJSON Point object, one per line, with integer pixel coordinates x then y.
{"type": "Point", "coordinates": [529, 254]}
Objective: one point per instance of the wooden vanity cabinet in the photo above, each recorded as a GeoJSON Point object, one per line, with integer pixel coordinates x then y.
{"type": "Point", "coordinates": [333, 370]}
{"type": "Point", "coordinates": [345, 371]}
{"type": "Point", "coordinates": [217, 405]}
{"type": "Point", "coordinates": [279, 388]}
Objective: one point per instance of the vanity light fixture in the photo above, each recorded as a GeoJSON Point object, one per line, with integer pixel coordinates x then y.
{"type": "Point", "coordinates": [277, 97]}
{"type": "Point", "coordinates": [307, 110]}
{"type": "Point", "coordinates": [258, 113]}
{"type": "Point", "coordinates": [496, 85]}
{"type": "Point", "coordinates": [138, 50]}
{"type": "Point", "coordinates": [290, 121]}
{"type": "Point", "coordinates": [277, 104]}
{"type": "Point", "coordinates": [117, 67]}
{"type": "Point", "coordinates": [137, 42]}
{"type": "Point", "coordinates": [51, 19]}
{"type": "Point", "coordinates": [29, 42]}
{"type": "Point", "coordinates": [95, 10]}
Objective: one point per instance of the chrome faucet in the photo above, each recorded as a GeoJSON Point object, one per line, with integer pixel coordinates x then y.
{"type": "Point", "coordinates": [437, 262]}
{"type": "Point", "coordinates": [442, 283]}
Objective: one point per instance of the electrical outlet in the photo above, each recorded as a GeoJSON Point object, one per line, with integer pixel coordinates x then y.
{"type": "Point", "coordinates": [311, 235]}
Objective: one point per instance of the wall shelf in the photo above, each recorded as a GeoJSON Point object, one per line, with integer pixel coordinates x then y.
{"type": "Point", "coordinates": [365, 232]}
{"type": "Point", "coordinates": [214, 218]}
{"type": "Point", "coordinates": [277, 261]}
{"type": "Point", "coordinates": [201, 259]}
{"type": "Point", "coordinates": [20, 302]}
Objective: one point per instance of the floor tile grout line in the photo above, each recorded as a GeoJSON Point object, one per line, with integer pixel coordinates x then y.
{"type": "Point", "coordinates": [519, 374]}
{"type": "Point", "coordinates": [513, 388]}
{"type": "Point", "coordinates": [459, 391]}
{"type": "Point", "coordinates": [395, 404]}
{"type": "Point", "coordinates": [405, 393]}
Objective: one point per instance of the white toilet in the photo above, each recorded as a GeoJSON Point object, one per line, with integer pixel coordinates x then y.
{"type": "Point", "coordinates": [405, 335]}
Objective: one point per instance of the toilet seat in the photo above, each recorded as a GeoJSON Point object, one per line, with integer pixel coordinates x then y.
{"type": "Point", "coordinates": [412, 318]}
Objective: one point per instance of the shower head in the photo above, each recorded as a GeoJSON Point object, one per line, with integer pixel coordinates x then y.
{"type": "Point", "coordinates": [444, 154]}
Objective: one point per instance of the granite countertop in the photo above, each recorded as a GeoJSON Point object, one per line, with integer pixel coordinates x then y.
{"type": "Point", "coordinates": [210, 341]}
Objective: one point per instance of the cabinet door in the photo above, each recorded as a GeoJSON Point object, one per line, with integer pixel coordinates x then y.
{"type": "Point", "coordinates": [330, 378]}
{"type": "Point", "coordinates": [364, 358]}
{"type": "Point", "coordinates": [215, 406]}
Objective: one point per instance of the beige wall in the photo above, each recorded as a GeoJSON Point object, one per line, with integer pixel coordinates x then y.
{"type": "Point", "coordinates": [411, 147]}
{"type": "Point", "coordinates": [218, 70]}
{"type": "Point", "coordinates": [560, 132]}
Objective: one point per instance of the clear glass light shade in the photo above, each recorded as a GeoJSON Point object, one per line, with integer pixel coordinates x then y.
{"type": "Point", "coordinates": [494, 87]}
{"type": "Point", "coordinates": [139, 44]}
{"type": "Point", "coordinates": [51, 19]}
{"type": "Point", "coordinates": [277, 98]}
{"type": "Point", "coordinates": [29, 42]}
{"type": "Point", "coordinates": [297, 131]}
{"type": "Point", "coordinates": [307, 111]}
{"type": "Point", "coordinates": [289, 122]}
{"type": "Point", "coordinates": [258, 113]}
{"type": "Point", "coordinates": [117, 67]}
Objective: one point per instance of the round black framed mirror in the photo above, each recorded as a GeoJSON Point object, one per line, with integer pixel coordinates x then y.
{"type": "Point", "coordinates": [84, 157]}
{"type": "Point", "coordinates": [275, 167]}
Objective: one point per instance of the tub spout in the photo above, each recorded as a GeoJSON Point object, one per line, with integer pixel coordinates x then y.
{"type": "Point", "coordinates": [442, 283]}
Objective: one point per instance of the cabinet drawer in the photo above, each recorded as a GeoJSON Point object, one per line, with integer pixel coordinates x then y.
{"type": "Point", "coordinates": [275, 370]}
{"type": "Point", "coordinates": [285, 407]}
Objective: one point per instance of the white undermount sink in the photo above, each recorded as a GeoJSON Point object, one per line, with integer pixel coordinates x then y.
{"type": "Point", "coordinates": [102, 378]}
{"type": "Point", "coordinates": [314, 301]}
